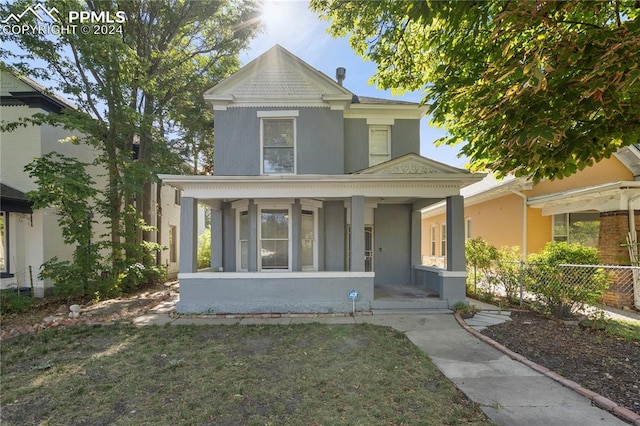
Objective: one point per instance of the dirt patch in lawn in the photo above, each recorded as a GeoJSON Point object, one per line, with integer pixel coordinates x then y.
{"type": "Point", "coordinates": [606, 364]}
{"type": "Point", "coordinates": [56, 308]}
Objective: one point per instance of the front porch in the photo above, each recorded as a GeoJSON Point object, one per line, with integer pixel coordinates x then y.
{"type": "Point", "coordinates": [301, 243]}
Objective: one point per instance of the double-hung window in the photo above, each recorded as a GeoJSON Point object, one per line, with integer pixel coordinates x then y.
{"type": "Point", "coordinates": [274, 239]}
{"type": "Point", "coordinates": [443, 239]}
{"type": "Point", "coordinates": [243, 240]}
{"type": "Point", "coordinates": [278, 141]}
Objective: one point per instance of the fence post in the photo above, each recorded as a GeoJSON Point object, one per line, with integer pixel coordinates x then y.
{"type": "Point", "coordinates": [521, 281]}
{"type": "Point", "coordinates": [31, 280]}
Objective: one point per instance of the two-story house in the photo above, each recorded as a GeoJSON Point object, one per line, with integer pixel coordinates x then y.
{"type": "Point", "coordinates": [316, 192]}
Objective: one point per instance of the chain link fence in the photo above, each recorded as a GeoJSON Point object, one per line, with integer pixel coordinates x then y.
{"type": "Point", "coordinates": [558, 289]}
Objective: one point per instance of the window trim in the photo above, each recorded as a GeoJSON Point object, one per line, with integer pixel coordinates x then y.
{"type": "Point", "coordinates": [279, 115]}
{"type": "Point", "coordinates": [314, 216]}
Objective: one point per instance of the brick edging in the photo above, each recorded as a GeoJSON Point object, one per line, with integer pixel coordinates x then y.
{"type": "Point", "coordinates": [596, 399]}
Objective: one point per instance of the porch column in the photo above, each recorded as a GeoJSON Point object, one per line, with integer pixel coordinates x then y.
{"type": "Point", "coordinates": [416, 242]}
{"type": "Point", "coordinates": [253, 237]}
{"type": "Point", "coordinates": [188, 261]}
{"type": "Point", "coordinates": [216, 238]}
{"type": "Point", "coordinates": [455, 234]}
{"type": "Point", "coordinates": [296, 242]}
{"type": "Point", "coordinates": [228, 237]}
{"type": "Point", "coordinates": [357, 234]}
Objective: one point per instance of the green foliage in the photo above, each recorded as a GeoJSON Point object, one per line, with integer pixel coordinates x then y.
{"type": "Point", "coordinates": [480, 257]}
{"type": "Point", "coordinates": [12, 301]}
{"type": "Point", "coordinates": [509, 271]}
{"type": "Point", "coordinates": [64, 185]}
{"type": "Point", "coordinates": [563, 290]}
{"type": "Point", "coordinates": [540, 89]}
{"type": "Point", "coordinates": [204, 249]}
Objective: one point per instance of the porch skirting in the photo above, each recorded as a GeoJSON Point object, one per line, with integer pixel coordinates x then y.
{"type": "Point", "coordinates": [273, 292]}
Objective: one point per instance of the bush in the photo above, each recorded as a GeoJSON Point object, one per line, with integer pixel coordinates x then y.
{"type": "Point", "coordinates": [480, 257]}
{"type": "Point", "coordinates": [508, 271]}
{"type": "Point", "coordinates": [562, 290]}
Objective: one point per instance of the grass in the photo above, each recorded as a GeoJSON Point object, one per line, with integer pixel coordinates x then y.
{"type": "Point", "coordinates": [629, 330]}
{"type": "Point", "coordinates": [255, 375]}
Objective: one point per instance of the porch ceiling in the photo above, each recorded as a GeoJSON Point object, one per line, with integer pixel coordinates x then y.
{"type": "Point", "coordinates": [603, 198]}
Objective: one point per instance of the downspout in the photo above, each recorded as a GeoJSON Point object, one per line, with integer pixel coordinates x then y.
{"type": "Point", "coordinates": [633, 239]}
{"type": "Point", "coordinates": [524, 222]}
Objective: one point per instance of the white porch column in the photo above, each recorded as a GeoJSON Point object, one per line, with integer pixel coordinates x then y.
{"type": "Point", "coordinates": [296, 242]}
{"type": "Point", "coordinates": [357, 234]}
{"type": "Point", "coordinates": [216, 238]}
{"type": "Point", "coordinates": [188, 235]}
{"type": "Point", "coordinates": [253, 237]}
{"type": "Point", "coordinates": [455, 234]}
{"type": "Point", "coordinates": [416, 241]}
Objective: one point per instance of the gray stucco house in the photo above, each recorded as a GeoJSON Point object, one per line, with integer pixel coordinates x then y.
{"type": "Point", "coordinates": [315, 192]}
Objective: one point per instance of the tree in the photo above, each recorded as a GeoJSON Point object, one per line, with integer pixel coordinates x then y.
{"type": "Point", "coordinates": [539, 89]}
{"type": "Point", "coordinates": [125, 82]}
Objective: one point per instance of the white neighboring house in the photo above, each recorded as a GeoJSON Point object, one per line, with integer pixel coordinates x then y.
{"type": "Point", "coordinates": [29, 238]}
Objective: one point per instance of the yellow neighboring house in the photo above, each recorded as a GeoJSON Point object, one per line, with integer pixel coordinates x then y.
{"type": "Point", "coordinates": [597, 206]}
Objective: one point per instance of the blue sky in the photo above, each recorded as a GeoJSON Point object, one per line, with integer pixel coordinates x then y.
{"type": "Point", "coordinates": [292, 25]}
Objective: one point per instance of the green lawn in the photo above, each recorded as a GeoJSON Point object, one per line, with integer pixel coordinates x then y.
{"type": "Point", "coordinates": [308, 374]}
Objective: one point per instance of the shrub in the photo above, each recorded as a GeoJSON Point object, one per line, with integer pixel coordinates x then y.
{"type": "Point", "coordinates": [508, 271]}
{"type": "Point", "coordinates": [480, 257]}
{"type": "Point", "coordinates": [562, 290]}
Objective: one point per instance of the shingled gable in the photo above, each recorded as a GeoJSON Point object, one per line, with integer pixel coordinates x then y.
{"type": "Point", "coordinates": [278, 78]}
{"type": "Point", "coordinates": [412, 164]}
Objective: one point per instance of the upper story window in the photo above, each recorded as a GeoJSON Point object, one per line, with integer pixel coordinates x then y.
{"type": "Point", "coordinates": [278, 141]}
{"type": "Point", "coordinates": [379, 144]}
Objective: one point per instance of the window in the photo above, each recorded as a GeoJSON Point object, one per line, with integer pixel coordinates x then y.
{"type": "Point", "coordinates": [308, 233]}
{"type": "Point", "coordinates": [443, 240]}
{"type": "Point", "coordinates": [467, 229]}
{"type": "Point", "coordinates": [3, 242]}
{"type": "Point", "coordinates": [433, 240]}
{"type": "Point", "coordinates": [274, 239]}
{"type": "Point", "coordinates": [173, 243]}
{"type": "Point", "coordinates": [278, 145]}
{"type": "Point", "coordinates": [243, 240]}
{"type": "Point", "coordinates": [582, 228]}
{"type": "Point", "coordinates": [379, 144]}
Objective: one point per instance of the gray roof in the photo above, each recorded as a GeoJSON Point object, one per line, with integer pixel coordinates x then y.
{"type": "Point", "coordinates": [379, 101]}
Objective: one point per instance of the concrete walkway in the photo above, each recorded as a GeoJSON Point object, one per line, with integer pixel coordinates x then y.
{"type": "Point", "coordinates": [509, 392]}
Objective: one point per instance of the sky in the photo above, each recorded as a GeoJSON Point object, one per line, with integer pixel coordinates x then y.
{"type": "Point", "coordinates": [292, 25]}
